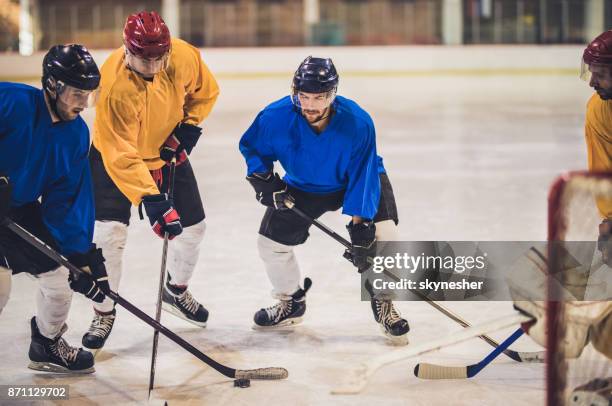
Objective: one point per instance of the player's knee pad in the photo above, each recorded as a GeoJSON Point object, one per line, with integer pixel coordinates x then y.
{"type": "Point", "coordinates": [191, 237]}
{"type": "Point", "coordinates": [184, 253]}
{"type": "Point", "coordinates": [387, 231]}
{"type": "Point", "coordinates": [5, 286]}
{"type": "Point", "coordinates": [270, 250]}
{"type": "Point", "coordinates": [281, 266]}
{"type": "Point", "coordinates": [111, 237]}
{"type": "Point", "coordinates": [54, 285]}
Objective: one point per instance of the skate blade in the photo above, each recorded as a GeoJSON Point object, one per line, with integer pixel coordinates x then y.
{"type": "Point", "coordinates": [176, 312]}
{"type": "Point", "coordinates": [95, 351]}
{"type": "Point", "coordinates": [395, 340]}
{"type": "Point", "coordinates": [283, 325]}
{"type": "Point", "coordinates": [58, 369]}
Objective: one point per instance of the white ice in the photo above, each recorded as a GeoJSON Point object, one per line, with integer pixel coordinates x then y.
{"type": "Point", "coordinates": [470, 158]}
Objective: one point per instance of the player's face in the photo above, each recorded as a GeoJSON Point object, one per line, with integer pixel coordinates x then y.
{"type": "Point", "coordinates": [70, 101]}
{"type": "Point", "coordinates": [146, 67]}
{"type": "Point", "coordinates": [314, 105]}
{"type": "Point", "coordinates": [601, 80]}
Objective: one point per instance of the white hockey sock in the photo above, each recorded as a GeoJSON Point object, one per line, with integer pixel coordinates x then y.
{"type": "Point", "coordinates": [52, 301]}
{"type": "Point", "coordinates": [111, 236]}
{"type": "Point", "coordinates": [386, 231]}
{"type": "Point", "coordinates": [281, 266]}
{"type": "Point", "coordinates": [183, 253]}
{"type": "Point", "coordinates": [5, 286]}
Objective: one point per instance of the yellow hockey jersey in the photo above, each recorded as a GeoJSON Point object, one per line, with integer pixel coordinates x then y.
{"type": "Point", "coordinates": [598, 133]}
{"type": "Point", "coordinates": [134, 117]}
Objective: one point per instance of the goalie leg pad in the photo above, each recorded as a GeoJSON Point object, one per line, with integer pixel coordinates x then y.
{"type": "Point", "coordinates": [111, 237]}
{"type": "Point", "coordinates": [184, 252]}
{"type": "Point", "coordinates": [281, 266]}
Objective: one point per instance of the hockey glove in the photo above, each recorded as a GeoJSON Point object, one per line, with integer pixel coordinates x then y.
{"type": "Point", "coordinates": [93, 282]}
{"type": "Point", "coordinates": [270, 190]}
{"type": "Point", "coordinates": [162, 215]}
{"type": "Point", "coordinates": [363, 245]}
{"type": "Point", "coordinates": [171, 149]}
{"type": "Point", "coordinates": [188, 136]}
{"type": "Point", "coordinates": [5, 196]}
{"type": "Point", "coordinates": [604, 242]}
{"type": "Point", "coordinates": [180, 143]}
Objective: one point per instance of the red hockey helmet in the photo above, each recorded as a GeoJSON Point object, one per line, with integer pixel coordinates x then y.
{"type": "Point", "coordinates": [596, 66]}
{"type": "Point", "coordinates": [146, 35]}
{"type": "Point", "coordinates": [599, 51]}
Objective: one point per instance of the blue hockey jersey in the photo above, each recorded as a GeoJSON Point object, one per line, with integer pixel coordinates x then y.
{"type": "Point", "coordinates": [47, 161]}
{"type": "Point", "coordinates": [342, 157]}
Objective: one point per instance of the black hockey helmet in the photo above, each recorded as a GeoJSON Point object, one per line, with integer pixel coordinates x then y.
{"type": "Point", "coordinates": [315, 75]}
{"type": "Point", "coordinates": [72, 65]}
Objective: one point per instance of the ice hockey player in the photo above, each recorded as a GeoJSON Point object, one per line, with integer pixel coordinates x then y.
{"type": "Point", "coordinates": [154, 92]}
{"type": "Point", "coordinates": [327, 147]}
{"type": "Point", "coordinates": [590, 321]}
{"type": "Point", "coordinates": [597, 71]}
{"type": "Point", "coordinates": [45, 187]}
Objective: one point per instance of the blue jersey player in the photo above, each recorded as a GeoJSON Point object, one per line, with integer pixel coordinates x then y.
{"type": "Point", "coordinates": [327, 147]}
{"type": "Point", "coordinates": [45, 187]}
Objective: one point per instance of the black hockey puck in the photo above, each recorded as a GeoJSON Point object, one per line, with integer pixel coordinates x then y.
{"type": "Point", "coordinates": [242, 383]}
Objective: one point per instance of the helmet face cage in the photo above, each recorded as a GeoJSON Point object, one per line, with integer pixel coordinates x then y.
{"type": "Point", "coordinates": [330, 96]}
{"type": "Point", "coordinates": [72, 96]}
{"type": "Point", "coordinates": [601, 71]}
{"type": "Point", "coordinates": [147, 67]}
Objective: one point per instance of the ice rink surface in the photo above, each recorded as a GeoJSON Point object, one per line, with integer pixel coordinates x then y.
{"type": "Point", "coordinates": [469, 157]}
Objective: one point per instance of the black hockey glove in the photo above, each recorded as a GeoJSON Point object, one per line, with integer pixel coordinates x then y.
{"type": "Point", "coordinates": [162, 215]}
{"type": "Point", "coordinates": [363, 241]}
{"type": "Point", "coordinates": [180, 143]}
{"type": "Point", "coordinates": [5, 196]}
{"type": "Point", "coordinates": [270, 190]}
{"type": "Point", "coordinates": [93, 282]}
{"type": "Point", "coordinates": [604, 242]}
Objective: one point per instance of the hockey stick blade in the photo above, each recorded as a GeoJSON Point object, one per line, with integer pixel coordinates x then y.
{"type": "Point", "coordinates": [358, 377]}
{"type": "Point", "coordinates": [432, 371]}
{"type": "Point", "coordinates": [271, 373]}
{"type": "Point", "coordinates": [260, 373]}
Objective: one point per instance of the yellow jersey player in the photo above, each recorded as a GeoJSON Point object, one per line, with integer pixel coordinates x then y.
{"type": "Point", "coordinates": [155, 91]}
{"type": "Point", "coordinates": [597, 71]}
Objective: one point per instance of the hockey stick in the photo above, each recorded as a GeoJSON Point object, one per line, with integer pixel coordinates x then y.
{"type": "Point", "coordinates": [425, 370]}
{"type": "Point", "coordinates": [519, 356]}
{"type": "Point", "coordinates": [162, 276]}
{"type": "Point", "coordinates": [358, 377]}
{"type": "Point", "coordinates": [522, 356]}
{"type": "Point", "coordinates": [259, 373]}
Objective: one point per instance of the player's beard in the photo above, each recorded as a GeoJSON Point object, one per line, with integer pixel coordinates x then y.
{"type": "Point", "coordinates": [314, 116]}
{"type": "Point", "coordinates": [604, 94]}
{"type": "Point", "coordinates": [66, 112]}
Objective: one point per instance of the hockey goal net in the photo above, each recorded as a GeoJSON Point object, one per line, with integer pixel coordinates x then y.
{"type": "Point", "coordinates": [576, 203]}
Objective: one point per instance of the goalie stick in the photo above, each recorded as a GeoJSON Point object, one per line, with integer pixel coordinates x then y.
{"type": "Point", "coordinates": [270, 373]}
{"type": "Point", "coordinates": [425, 370]}
{"type": "Point", "coordinates": [358, 377]}
{"type": "Point", "coordinates": [519, 356]}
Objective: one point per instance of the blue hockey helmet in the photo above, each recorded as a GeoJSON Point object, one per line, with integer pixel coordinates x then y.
{"type": "Point", "coordinates": [315, 75]}
{"type": "Point", "coordinates": [72, 65]}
